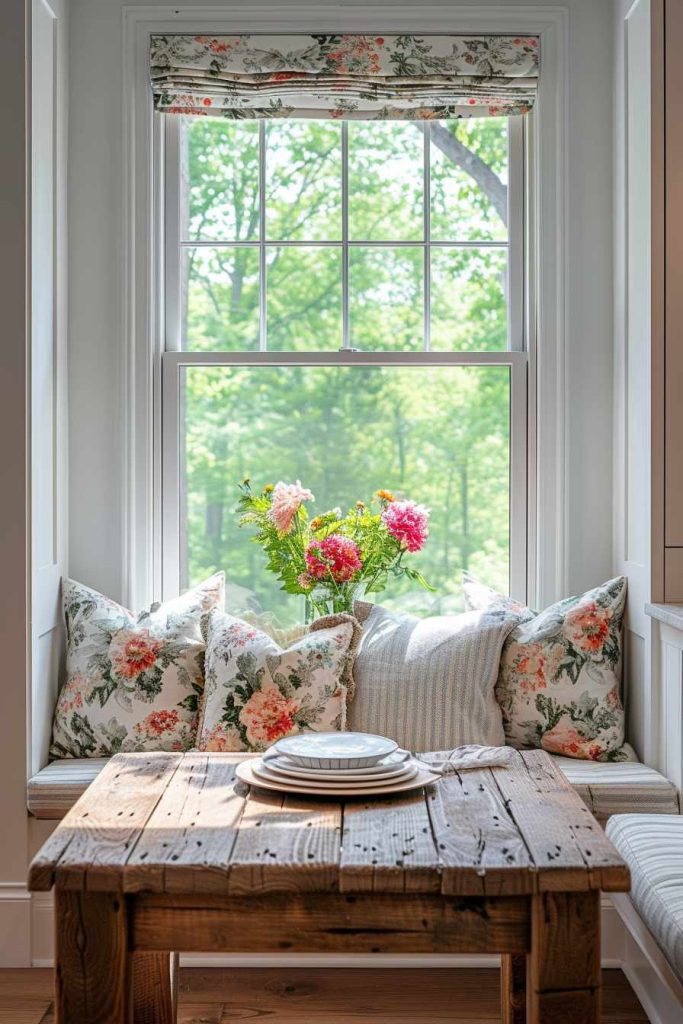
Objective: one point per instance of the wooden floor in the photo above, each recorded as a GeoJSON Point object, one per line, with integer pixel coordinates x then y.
{"type": "Point", "coordinates": [221, 996]}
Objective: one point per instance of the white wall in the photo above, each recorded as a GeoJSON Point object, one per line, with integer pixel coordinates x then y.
{"type": "Point", "coordinates": [632, 449]}
{"type": "Point", "coordinates": [96, 276]}
{"type": "Point", "coordinates": [14, 538]}
{"type": "Point", "coordinates": [33, 51]}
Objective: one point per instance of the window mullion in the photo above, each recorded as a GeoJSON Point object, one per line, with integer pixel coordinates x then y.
{"type": "Point", "coordinates": [171, 235]}
{"type": "Point", "coordinates": [263, 331]}
{"type": "Point", "coordinates": [516, 216]}
{"type": "Point", "coordinates": [426, 207]}
{"type": "Point", "coordinates": [346, 335]}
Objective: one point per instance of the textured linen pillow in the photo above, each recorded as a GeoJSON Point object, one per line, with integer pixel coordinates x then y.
{"type": "Point", "coordinates": [429, 683]}
{"type": "Point", "coordinates": [132, 682]}
{"type": "Point", "coordinates": [256, 692]}
{"type": "Point", "coordinates": [560, 672]}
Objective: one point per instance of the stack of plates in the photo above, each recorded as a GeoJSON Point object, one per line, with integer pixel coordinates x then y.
{"type": "Point", "coordinates": [335, 764]}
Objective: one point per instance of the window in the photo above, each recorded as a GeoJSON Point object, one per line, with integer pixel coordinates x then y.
{"type": "Point", "coordinates": [344, 305]}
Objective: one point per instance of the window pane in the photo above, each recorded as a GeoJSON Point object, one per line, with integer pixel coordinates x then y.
{"type": "Point", "coordinates": [386, 181]}
{"type": "Point", "coordinates": [469, 310]}
{"type": "Point", "coordinates": [304, 303]}
{"type": "Point", "coordinates": [469, 175]}
{"type": "Point", "coordinates": [386, 298]}
{"type": "Point", "coordinates": [221, 299]}
{"type": "Point", "coordinates": [303, 181]}
{"type": "Point", "coordinates": [438, 435]}
{"type": "Point", "coordinates": [219, 193]}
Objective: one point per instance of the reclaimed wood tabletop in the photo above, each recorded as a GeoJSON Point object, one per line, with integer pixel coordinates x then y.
{"type": "Point", "coordinates": [171, 852]}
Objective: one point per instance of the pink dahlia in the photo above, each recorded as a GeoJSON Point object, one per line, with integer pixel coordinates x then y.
{"type": "Point", "coordinates": [287, 500]}
{"type": "Point", "coordinates": [408, 522]}
{"type": "Point", "coordinates": [336, 555]}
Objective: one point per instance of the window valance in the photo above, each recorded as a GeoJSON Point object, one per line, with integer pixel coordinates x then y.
{"type": "Point", "coordinates": [363, 77]}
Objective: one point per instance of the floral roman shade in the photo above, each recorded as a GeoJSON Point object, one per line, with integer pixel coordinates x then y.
{"type": "Point", "coordinates": [363, 77]}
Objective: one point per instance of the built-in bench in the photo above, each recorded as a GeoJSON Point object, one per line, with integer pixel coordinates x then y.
{"type": "Point", "coordinates": [652, 846]}
{"type": "Point", "coordinates": [625, 787]}
{"type": "Point", "coordinates": [606, 789]}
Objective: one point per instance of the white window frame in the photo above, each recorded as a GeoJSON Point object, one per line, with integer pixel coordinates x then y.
{"type": "Point", "coordinates": [174, 359]}
{"type": "Point", "coordinates": [546, 152]}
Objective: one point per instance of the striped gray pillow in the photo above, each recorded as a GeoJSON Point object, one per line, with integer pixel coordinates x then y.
{"type": "Point", "coordinates": [429, 683]}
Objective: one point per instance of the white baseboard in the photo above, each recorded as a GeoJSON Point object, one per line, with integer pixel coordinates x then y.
{"type": "Point", "coordinates": [42, 930]}
{"type": "Point", "coordinates": [42, 949]}
{"type": "Point", "coordinates": [15, 926]}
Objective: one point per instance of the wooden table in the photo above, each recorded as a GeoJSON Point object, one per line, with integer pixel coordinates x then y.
{"type": "Point", "coordinates": [168, 853]}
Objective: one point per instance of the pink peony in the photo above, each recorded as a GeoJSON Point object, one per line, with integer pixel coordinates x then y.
{"type": "Point", "coordinates": [408, 522]}
{"type": "Point", "coordinates": [339, 556]}
{"type": "Point", "coordinates": [287, 500]}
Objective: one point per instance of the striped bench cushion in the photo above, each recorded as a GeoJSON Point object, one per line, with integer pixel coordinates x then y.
{"type": "Point", "coordinates": [625, 787]}
{"type": "Point", "coordinates": [605, 788]}
{"type": "Point", "coordinates": [55, 789]}
{"type": "Point", "coordinates": [652, 846]}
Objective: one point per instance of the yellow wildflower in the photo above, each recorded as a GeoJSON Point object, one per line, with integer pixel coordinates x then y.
{"type": "Point", "coordinates": [385, 495]}
{"type": "Point", "coordinates": [360, 505]}
{"type": "Point", "coordinates": [316, 523]}
{"type": "Point", "coordinates": [268, 489]}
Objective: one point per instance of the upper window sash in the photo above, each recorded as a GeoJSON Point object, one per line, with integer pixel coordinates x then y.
{"type": "Point", "coordinates": [172, 255]}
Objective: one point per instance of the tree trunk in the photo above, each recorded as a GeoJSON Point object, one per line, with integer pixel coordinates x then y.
{"type": "Point", "coordinates": [487, 180]}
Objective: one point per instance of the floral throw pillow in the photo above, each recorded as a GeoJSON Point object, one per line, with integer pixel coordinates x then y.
{"type": "Point", "coordinates": [560, 672]}
{"type": "Point", "coordinates": [256, 692]}
{"type": "Point", "coordinates": [132, 682]}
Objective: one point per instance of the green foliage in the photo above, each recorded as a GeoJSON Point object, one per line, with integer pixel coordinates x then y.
{"type": "Point", "coordinates": [440, 434]}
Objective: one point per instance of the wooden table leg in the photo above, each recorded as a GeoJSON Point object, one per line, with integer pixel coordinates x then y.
{"type": "Point", "coordinates": [93, 974]}
{"type": "Point", "coordinates": [563, 984]}
{"type": "Point", "coordinates": [154, 988]}
{"type": "Point", "coordinates": [513, 988]}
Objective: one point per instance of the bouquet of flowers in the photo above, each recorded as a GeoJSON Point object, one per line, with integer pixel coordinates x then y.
{"type": "Point", "coordinates": [334, 558]}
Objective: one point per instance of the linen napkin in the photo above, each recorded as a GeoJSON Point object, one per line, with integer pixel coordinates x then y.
{"type": "Point", "coordinates": [472, 755]}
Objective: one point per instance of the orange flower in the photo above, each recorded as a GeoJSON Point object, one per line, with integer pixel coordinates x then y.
{"type": "Point", "coordinates": [587, 626]}
{"type": "Point", "coordinates": [158, 722]}
{"type": "Point", "coordinates": [221, 740]}
{"type": "Point", "coordinates": [269, 715]}
{"type": "Point", "coordinates": [133, 653]}
{"type": "Point", "coordinates": [385, 495]}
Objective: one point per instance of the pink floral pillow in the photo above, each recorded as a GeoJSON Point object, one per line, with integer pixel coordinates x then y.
{"type": "Point", "coordinates": [256, 692]}
{"type": "Point", "coordinates": [132, 682]}
{"type": "Point", "coordinates": [560, 672]}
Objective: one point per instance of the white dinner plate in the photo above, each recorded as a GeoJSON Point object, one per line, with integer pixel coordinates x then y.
{"type": "Point", "coordinates": [388, 766]}
{"type": "Point", "coordinates": [408, 770]}
{"type": "Point", "coordinates": [245, 772]}
{"type": "Point", "coordinates": [335, 750]}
